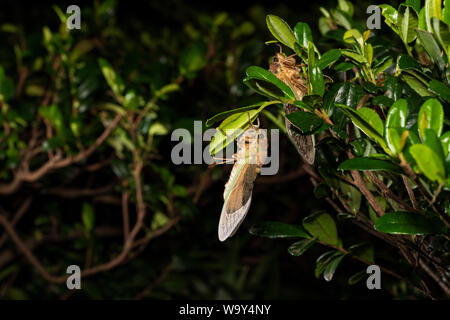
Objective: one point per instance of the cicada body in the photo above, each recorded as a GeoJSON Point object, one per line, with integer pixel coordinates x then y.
{"type": "Point", "coordinates": [250, 156]}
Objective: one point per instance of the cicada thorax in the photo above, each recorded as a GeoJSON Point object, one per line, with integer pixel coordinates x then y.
{"type": "Point", "coordinates": [252, 146]}
{"type": "Point", "coordinates": [286, 69]}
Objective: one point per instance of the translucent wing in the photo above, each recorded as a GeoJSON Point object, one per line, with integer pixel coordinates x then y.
{"type": "Point", "coordinates": [237, 196]}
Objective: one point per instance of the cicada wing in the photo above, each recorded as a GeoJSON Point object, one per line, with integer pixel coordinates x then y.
{"type": "Point", "coordinates": [238, 197]}
{"type": "Point", "coordinates": [230, 222]}
{"type": "Point", "coordinates": [305, 145]}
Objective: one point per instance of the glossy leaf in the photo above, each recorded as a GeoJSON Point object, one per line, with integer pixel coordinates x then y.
{"type": "Point", "coordinates": [114, 81]}
{"type": "Point", "coordinates": [391, 17]}
{"type": "Point", "coordinates": [303, 34]}
{"type": "Point", "coordinates": [441, 89]}
{"type": "Point", "coordinates": [363, 250]}
{"type": "Point", "coordinates": [442, 33]}
{"type": "Point", "coordinates": [258, 79]}
{"type": "Point", "coordinates": [369, 164]}
{"type": "Point", "coordinates": [331, 267]}
{"type": "Point", "coordinates": [431, 46]}
{"type": "Point", "coordinates": [300, 247]}
{"type": "Point", "coordinates": [328, 58]}
{"type": "Point", "coordinates": [431, 116]}
{"type": "Point", "coordinates": [366, 127]}
{"type": "Point", "coordinates": [372, 118]}
{"type": "Point", "coordinates": [322, 226]}
{"type": "Point", "coordinates": [408, 22]}
{"type": "Point", "coordinates": [407, 223]}
{"type": "Point", "coordinates": [353, 55]}
{"type": "Point", "coordinates": [226, 114]}
{"type": "Point", "coordinates": [354, 36]}
{"type": "Point", "coordinates": [406, 62]}
{"type": "Point", "coordinates": [232, 127]}
{"type": "Point", "coordinates": [273, 229]}
{"type": "Point", "coordinates": [357, 277]}
{"type": "Point", "coordinates": [317, 80]}
{"type": "Point", "coordinates": [395, 125]}
{"type": "Point", "coordinates": [432, 141]}
{"type": "Point", "coordinates": [307, 122]}
{"type": "Point", "coordinates": [432, 9]}
{"type": "Point", "coordinates": [416, 85]}
{"type": "Point", "coordinates": [281, 30]}
{"type": "Point", "coordinates": [429, 162]}
{"type": "Point", "coordinates": [323, 261]}
{"type": "Point", "coordinates": [445, 141]}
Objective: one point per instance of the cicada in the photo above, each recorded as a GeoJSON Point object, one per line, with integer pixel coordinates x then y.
{"type": "Point", "coordinates": [250, 156]}
{"type": "Point", "coordinates": [286, 69]}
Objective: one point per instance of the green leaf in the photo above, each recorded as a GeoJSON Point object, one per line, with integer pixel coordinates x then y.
{"type": "Point", "coordinates": [416, 85]}
{"type": "Point", "coordinates": [352, 196]}
{"type": "Point", "coordinates": [317, 80]}
{"type": "Point", "coordinates": [357, 277]}
{"type": "Point", "coordinates": [300, 247]}
{"type": "Point", "coordinates": [323, 260]}
{"type": "Point", "coordinates": [406, 62]}
{"type": "Point", "coordinates": [281, 30]}
{"type": "Point", "coordinates": [407, 223]}
{"type": "Point", "coordinates": [396, 117]}
{"type": "Point", "coordinates": [258, 79]}
{"type": "Point", "coordinates": [332, 266]}
{"type": "Point", "coordinates": [232, 127]}
{"type": "Point", "coordinates": [6, 86]}
{"type": "Point", "coordinates": [322, 226]}
{"type": "Point", "coordinates": [431, 116]}
{"type": "Point", "coordinates": [382, 65]}
{"type": "Point", "coordinates": [429, 162]}
{"type": "Point", "coordinates": [346, 7]}
{"type": "Point", "coordinates": [432, 141]}
{"type": "Point", "coordinates": [192, 58]}
{"type": "Point", "coordinates": [408, 21]}
{"type": "Point", "coordinates": [328, 58]}
{"type": "Point", "coordinates": [344, 66]}
{"type": "Point", "coordinates": [303, 34]}
{"type": "Point", "coordinates": [391, 17]}
{"type": "Point", "coordinates": [369, 164]}
{"type": "Point", "coordinates": [445, 141]}
{"type": "Point", "coordinates": [367, 128]}
{"type": "Point", "coordinates": [133, 101]}
{"type": "Point", "coordinates": [273, 229]}
{"type": "Point", "coordinates": [395, 125]}
{"type": "Point", "coordinates": [54, 115]}
{"type": "Point", "coordinates": [226, 114]}
{"type": "Point", "coordinates": [442, 32]}
{"type": "Point", "coordinates": [415, 4]}
{"type": "Point", "coordinates": [342, 19]}
{"type": "Point", "coordinates": [446, 12]}
{"type": "Point", "coordinates": [307, 122]}
{"type": "Point", "coordinates": [354, 36]}
{"type": "Point", "coordinates": [432, 48]}
{"type": "Point", "coordinates": [112, 78]}
{"type": "Point", "coordinates": [372, 118]}
{"type": "Point", "coordinates": [441, 89]}
{"type": "Point", "coordinates": [363, 250]}
{"type": "Point", "coordinates": [88, 216]}
{"type": "Point", "coordinates": [353, 55]}
{"type": "Point", "coordinates": [432, 9]}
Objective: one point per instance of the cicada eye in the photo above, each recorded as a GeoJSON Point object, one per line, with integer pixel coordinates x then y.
{"type": "Point", "coordinates": [275, 59]}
